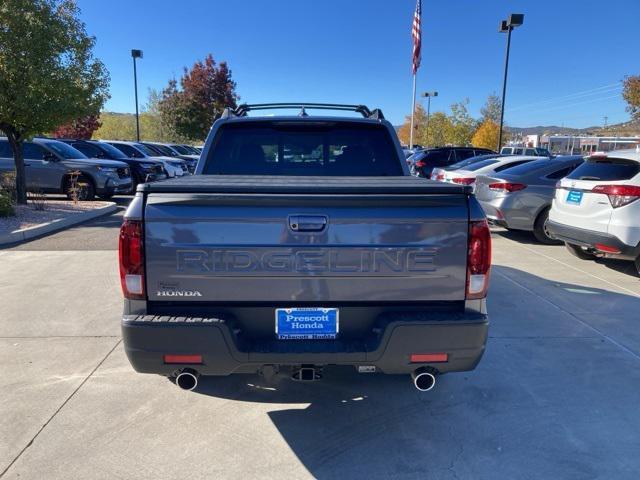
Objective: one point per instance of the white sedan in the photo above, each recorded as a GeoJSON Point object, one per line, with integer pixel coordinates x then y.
{"type": "Point", "coordinates": [467, 176]}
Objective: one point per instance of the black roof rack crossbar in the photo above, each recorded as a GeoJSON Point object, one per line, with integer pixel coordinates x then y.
{"type": "Point", "coordinates": [241, 110]}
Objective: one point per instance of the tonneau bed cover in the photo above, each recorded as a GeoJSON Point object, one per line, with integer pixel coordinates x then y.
{"type": "Point", "coordinates": [270, 184]}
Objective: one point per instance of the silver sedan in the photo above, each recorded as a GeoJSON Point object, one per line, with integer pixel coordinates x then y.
{"type": "Point", "coordinates": [519, 198]}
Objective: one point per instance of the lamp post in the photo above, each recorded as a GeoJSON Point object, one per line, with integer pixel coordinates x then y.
{"type": "Point", "coordinates": [136, 54]}
{"type": "Point", "coordinates": [506, 26]}
{"type": "Point", "coordinates": [428, 95]}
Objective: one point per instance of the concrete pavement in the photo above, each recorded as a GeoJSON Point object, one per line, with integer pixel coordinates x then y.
{"type": "Point", "coordinates": [555, 396]}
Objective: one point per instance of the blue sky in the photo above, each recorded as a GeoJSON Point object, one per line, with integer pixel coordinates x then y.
{"type": "Point", "coordinates": [566, 60]}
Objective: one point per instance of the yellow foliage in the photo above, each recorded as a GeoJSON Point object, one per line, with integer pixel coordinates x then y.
{"type": "Point", "coordinates": [486, 136]}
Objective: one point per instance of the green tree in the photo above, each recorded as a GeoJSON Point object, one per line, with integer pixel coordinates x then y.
{"type": "Point", "coordinates": [463, 125]}
{"type": "Point", "coordinates": [48, 74]}
{"type": "Point", "coordinates": [491, 109]}
{"type": "Point", "coordinates": [631, 94]}
{"type": "Point", "coordinates": [204, 92]}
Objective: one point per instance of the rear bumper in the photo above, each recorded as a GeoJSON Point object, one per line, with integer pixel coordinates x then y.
{"type": "Point", "coordinates": [589, 239]}
{"type": "Point", "coordinates": [148, 338]}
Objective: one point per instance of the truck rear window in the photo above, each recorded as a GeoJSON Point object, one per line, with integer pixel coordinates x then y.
{"type": "Point", "coordinates": [606, 169]}
{"type": "Point", "coordinates": [295, 148]}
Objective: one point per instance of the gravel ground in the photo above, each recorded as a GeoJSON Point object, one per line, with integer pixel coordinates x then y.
{"type": "Point", "coordinates": [26, 216]}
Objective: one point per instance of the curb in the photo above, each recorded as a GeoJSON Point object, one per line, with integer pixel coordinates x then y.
{"type": "Point", "coordinates": [54, 226]}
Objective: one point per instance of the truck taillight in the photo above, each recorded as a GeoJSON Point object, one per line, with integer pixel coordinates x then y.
{"type": "Point", "coordinates": [478, 260]}
{"type": "Point", "coordinates": [131, 253]}
{"type": "Point", "coordinates": [619, 195]}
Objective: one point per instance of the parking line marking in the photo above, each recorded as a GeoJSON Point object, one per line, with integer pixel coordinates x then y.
{"type": "Point", "coordinates": [558, 307]}
{"type": "Point", "coordinates": [635, 294]}
{"type": "Point", "coordinates": [59, 409]}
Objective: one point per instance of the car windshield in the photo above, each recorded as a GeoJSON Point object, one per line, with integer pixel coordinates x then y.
{"type": "Point", "coordinates": [293, 148]}
{"type": "Point", "coordinates": [606, 169]}
{"type": "Point", "coordinates": [113, 152]}
{"type": "Point", "coordinates": [64, 150]}
{"type": "Point", "coordinates": [164, 150]}
{"type": "Point", "coordinates": [146, 150]}
{"type": "Point", "coordinates": [479, 165]}
{"type": "Point", "coordinates": [180, 149]}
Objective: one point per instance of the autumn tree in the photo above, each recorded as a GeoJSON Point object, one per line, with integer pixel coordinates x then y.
{"type": "Point", "coordinates": [439, 132]}
{"type": "Point", "coordinates": [631, 94]}
{"type": "Point", "coordinates": [486, 136]}
{"type": "Point", "coordinates": [190, 107]}
{"type": "Point", "coordinates": [81, 128]}
{"type": "Point", "coordinates": [420, 120]}
{"type": "Point", "coordinates": [48, 74]}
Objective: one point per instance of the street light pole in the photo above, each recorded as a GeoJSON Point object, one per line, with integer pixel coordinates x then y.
{"type": "Point", "coordinates": [429, 95]}
{"type": "Point", "coordinates": [514, 20]}
{"type": "Point", "coordinates": [136, 54]}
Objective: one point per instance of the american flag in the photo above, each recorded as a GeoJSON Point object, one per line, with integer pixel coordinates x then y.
{"type": "Point", "coordinates": [416, 34]}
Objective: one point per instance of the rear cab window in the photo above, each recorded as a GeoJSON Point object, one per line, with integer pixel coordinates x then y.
{"type": "Point", "coordinates": [609, 169]}
{"type": "Point", "coordinates": [305, 149]}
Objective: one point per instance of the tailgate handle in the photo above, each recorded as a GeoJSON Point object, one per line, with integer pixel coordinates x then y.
{"type": "Point", "coordinates": [307, 223]}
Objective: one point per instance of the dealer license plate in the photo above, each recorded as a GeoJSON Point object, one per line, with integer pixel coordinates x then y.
{"type": "Point", "coordinates": [306, 323]}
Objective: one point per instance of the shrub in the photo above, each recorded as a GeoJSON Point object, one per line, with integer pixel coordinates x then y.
{"type": "Point", "coordinates": [6, 204]}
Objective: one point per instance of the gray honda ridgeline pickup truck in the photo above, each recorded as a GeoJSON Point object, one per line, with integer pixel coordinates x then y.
{"type": "Point", "coordinates": [303, 241]}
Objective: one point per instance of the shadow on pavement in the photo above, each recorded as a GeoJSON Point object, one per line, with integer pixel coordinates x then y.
{"type": "Point", "coordinates": [547, 393]}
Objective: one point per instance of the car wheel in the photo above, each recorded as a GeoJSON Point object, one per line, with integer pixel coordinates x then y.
{"type": "Point", "coordinates": [540, 230]}
{"type": "Point", "coordinates": [86, 190]}
{"type": "Point", "coordinates": [578, 251]}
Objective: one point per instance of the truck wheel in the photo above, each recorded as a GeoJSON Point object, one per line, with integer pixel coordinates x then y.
{"type": "Point", "coordinates": [540, 229]}
{"type": "Point", "coordinates": [579, 252]}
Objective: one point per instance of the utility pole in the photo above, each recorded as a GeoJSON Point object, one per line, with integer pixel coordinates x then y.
{"type": "Point", "coordinates": [514, 20]}
{"type": "Point", "coordinates": [136, 54]}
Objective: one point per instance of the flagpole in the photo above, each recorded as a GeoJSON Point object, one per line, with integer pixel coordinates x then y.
{"type": "Point", "coordinates": [413, 110]}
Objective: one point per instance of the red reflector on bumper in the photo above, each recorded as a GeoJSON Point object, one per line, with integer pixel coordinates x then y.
{"type": "Point", "coordinates": [429, 357]}
{"type": "Point", "coordinates": [183, 359]}
{"type": "Point", "coordinates": [606, 248]}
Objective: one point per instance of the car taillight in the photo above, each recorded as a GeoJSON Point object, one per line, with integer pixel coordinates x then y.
{"type": "Point", "coordinates": [440, 177]}
{"type": "Point", "coordinates": [131, 254]}
{"type": "Point", "coordinates": [506, 187]}
{"type": "Point", "coordinates": [420, 164]}
{"type": "Point", "coordinates": [478, 260]}
{"type": "Point", "coordinates": [463, 181]}
{"type": "Point", "coordinates": [619, 195]}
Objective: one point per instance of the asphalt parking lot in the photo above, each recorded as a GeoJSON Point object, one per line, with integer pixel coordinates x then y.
{"type": "Point", "coordinates": [556, 395]}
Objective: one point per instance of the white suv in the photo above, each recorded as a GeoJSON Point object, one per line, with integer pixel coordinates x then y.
{"type": "Point", "coordinates": [596, 209]}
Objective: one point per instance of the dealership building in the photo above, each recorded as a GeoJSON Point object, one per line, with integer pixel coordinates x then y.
{"type": "Point", "coordinates": [579, 144]}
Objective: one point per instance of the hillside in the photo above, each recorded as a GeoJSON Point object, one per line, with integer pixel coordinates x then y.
{"type": "Point", "coordinates": [629, 128]}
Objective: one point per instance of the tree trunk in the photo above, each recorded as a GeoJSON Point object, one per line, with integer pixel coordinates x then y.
{"type": "Point", "coordinates": [16, 142]}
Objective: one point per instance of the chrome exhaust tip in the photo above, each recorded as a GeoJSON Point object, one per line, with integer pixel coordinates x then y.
{"type": "Point", "coordinates": [187, 379]}
{"type": "Point", "coordinates": [424, 379]}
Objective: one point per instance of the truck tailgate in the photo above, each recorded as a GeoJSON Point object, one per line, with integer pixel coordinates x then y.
{"type": "Point", "coordinates": [399, 244]}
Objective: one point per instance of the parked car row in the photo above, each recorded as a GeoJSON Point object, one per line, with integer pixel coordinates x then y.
{"type": "Point", "coordinates": [105, 167]}
{"type": "Point", "coordinates": [422, 162]}
{"type": "Point", "coordinates": [589, 204]}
